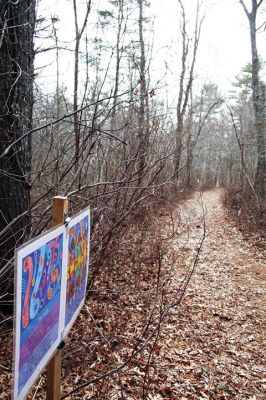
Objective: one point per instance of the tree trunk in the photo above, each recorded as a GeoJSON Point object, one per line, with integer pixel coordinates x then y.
{"type": "Point", "coordinates": [16, 101]}
{"type": "Point", "coordinates": [258, 92]}
{"type": "Point", "coordinates": [77, 117]}
{"type": "Point", "coordinates": [119, 51]}
{"type": "Point", "coordinates": [260, 126]}
{"type": "Point", "coordinates": [184, 90]}
{"type": "Point", "coordinates": [189, 160]}
{"type": "Point", "coordinates": [144, 103]}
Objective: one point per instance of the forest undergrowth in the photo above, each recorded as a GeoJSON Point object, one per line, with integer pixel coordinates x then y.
{"type": "Point", "coordinates": [249, 217]}
{"type": "Point", "coordinates": [125, 279]}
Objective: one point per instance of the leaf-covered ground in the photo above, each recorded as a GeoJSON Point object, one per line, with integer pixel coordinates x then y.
{"type": "Point", "coordinates": [207, 344]}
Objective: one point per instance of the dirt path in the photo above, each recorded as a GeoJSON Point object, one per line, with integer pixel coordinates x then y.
{"type": "Point", "coordinates": [220, 329]}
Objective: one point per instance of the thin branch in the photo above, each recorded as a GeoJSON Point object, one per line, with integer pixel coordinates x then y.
{"type": "Point", "coordinates": [7, 150]}
{"type": "Point", "coordinates": [245, 8]}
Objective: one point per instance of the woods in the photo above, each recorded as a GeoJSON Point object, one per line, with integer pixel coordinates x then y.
{"type": "Point", "coordinates": [100, 105]}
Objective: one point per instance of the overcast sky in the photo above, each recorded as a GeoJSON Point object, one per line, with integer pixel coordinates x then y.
{"type": "Point", "coordinates": [224, 46]}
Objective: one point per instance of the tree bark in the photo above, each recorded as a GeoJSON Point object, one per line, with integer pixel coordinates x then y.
{"type": "Point", "coordinates": [17, 22]}
{"type": "Point", "coordinates": [119, 51]}
{"type": "Point", "coordinates": [258, 94]}
{"type": "Point", "coordinates": [143, 115]}
{"type": "Point", "coordinates": [260, 126]}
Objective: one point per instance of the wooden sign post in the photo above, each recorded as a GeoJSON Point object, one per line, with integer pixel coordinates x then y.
{"type": "Point", "coordinates": [53, 391]}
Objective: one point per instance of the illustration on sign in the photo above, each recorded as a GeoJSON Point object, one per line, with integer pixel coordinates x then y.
{"type": "Point", "coordinates": [51, 280]}
{"type": "Point", "coordinates": [39, 272]}
{"type": "Point", "coordinates": [77, 267]}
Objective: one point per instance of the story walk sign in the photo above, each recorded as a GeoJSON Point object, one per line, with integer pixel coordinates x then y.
{"type": "Point", "coordinates": [50, 290]}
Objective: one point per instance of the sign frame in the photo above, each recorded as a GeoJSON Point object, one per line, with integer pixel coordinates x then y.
{"type": "Point", "coordinates": [59, 326]}
{"type": "Point", "coordinates": [20, 254]}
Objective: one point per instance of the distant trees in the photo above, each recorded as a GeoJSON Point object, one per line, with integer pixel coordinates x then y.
{"type": "Point", "coordinates": [228, 146]}
{"type": "Point", "coordinates": [17, 22]}
{"type": "Point", "coordinates": [201, 125]}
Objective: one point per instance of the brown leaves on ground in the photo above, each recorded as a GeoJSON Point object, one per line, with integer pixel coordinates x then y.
{"type": "Point", "coordinates": [211, 346]}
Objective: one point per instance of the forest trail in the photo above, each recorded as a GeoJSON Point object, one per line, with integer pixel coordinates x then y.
{"type": "Point", "coordinates": [210, 346]}
{"type": "Point", "coordinates": [219, 331]}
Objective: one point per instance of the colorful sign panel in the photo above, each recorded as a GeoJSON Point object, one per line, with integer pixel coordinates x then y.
{"type": "Point", "coordinates": [77, 266]}
{"type": "Point", "coordinates": [51, 279]}
{"type": "Point", "coordinates": [38, 304]}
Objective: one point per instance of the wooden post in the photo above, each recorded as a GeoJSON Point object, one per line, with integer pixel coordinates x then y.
{"type": "Point", "coordinates": [53, 391]}
{"type": "Point", "coordinates": [60, 207]}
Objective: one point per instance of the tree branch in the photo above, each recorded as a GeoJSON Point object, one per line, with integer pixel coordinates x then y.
{"type": "Point", "coordinates": [245, 8]}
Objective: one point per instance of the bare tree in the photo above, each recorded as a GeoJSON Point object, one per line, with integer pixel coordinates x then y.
{"type": "Point", "coordinates": [144, 99]}
{"type": "Point", "coordinates": [185, 87]}
{"type": "Point", "coordinates": [119, 49]}
{"type": "Point", "coordinates": [79, 32]}
{"type": "Point", "coordinates": [258, 92]}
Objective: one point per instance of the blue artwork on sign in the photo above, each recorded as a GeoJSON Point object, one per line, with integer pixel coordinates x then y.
{"type": "Point", "coordinates": [41, 273]}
